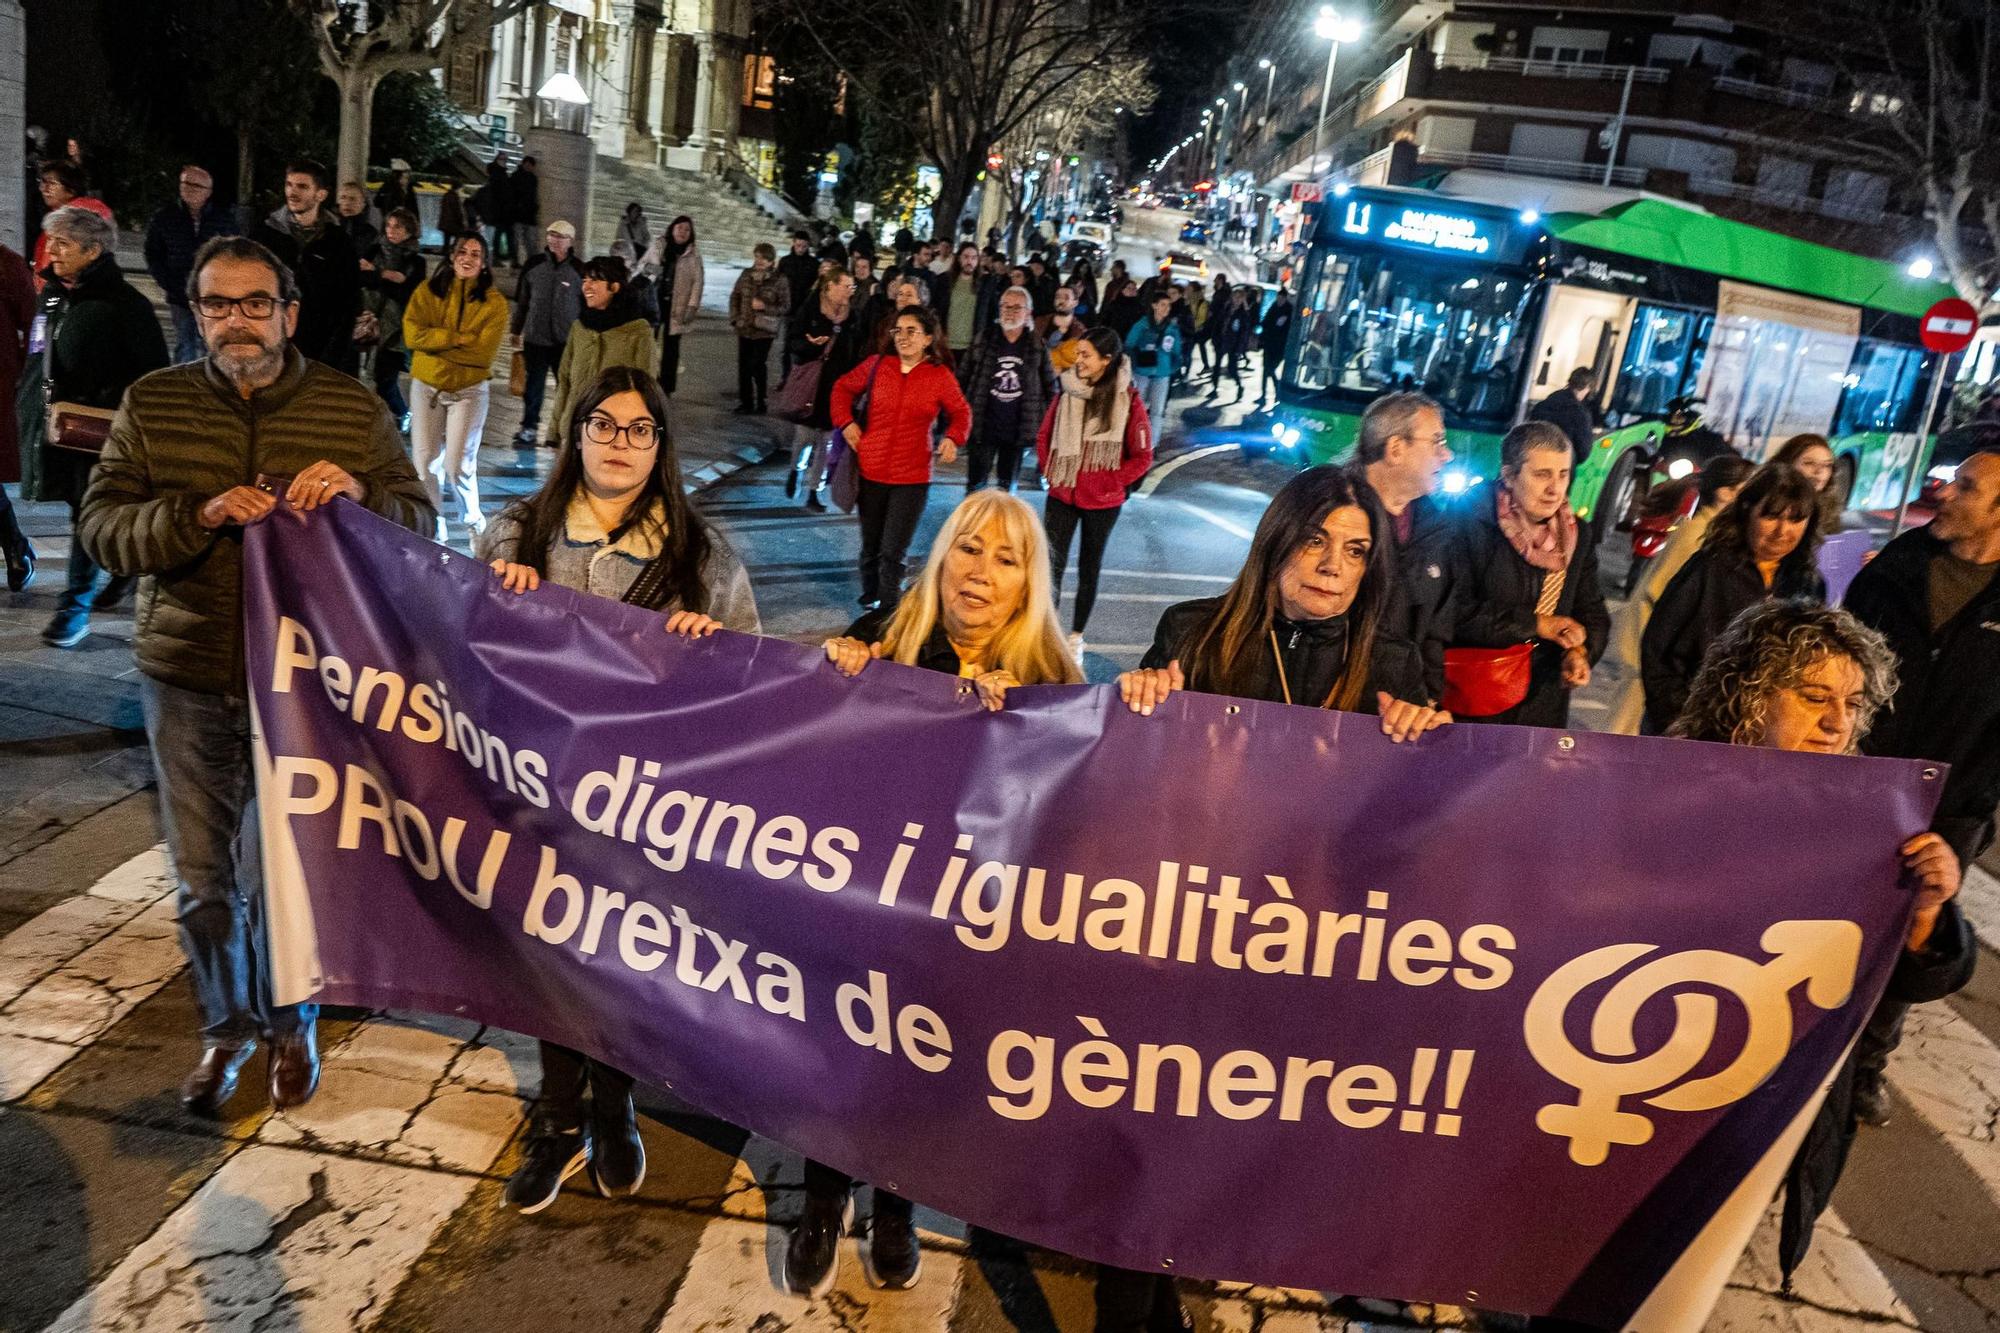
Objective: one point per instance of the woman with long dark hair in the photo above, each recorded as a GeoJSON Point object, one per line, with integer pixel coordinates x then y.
{"type": "Point", "coordinates": [1303, 621]}
{"type": "Point", "coordinates": [1096, 441]}
{"type": "Point", "coordinates": [909, 392]}
{"type": "Point", "coordinates": [677, 259]}
{"type": "Point", "coordinates": [1765, 544]}
{"type": "Point", "coordinates": [611, 520]}
{"type": "Point", "coordinates": [1813, 456]}
{"type": "Point", "coordinates": [453, 326]}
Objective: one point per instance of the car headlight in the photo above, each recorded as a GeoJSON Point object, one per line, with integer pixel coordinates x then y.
{"type": "Point", "coordinates": [1679, 468]}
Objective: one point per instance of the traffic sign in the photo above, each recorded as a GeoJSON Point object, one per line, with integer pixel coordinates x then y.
{"type": "Point", "coordinates": [1305, 192]}
{"type": "Point", "coordinates": [1949, 325]}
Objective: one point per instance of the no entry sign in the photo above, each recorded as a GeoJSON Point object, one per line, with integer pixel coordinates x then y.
{"type": "Point", "coordinates": [1949, 325]}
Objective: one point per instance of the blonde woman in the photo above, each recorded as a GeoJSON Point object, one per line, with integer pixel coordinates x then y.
{"type": "Point", "coordinates": [981, 611]}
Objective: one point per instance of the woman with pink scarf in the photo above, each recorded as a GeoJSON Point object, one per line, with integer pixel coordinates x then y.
{"type": "Point", "coordinates": [1524, 576]}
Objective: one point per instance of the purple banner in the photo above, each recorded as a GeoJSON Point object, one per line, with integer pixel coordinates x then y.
{"type": "Point", "coordinates": [1510, 1018]}
{"type": "Point", "coordinates": [1841, 557]}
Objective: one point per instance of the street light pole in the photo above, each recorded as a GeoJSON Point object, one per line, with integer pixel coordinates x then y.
{"type": "Point", "coordinates": [1270, 74]}
{"type": "Point", "coordinates": [1333, 29]}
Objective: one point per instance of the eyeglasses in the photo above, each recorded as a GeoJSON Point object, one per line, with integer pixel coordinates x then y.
{"type": "Point", "coordinates": [256, 306]}
{"type": "Point", "coordinates": [641, 434]}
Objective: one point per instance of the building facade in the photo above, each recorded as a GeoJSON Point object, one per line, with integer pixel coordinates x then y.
{"type": "Point", "coordinates": [1599, 98]}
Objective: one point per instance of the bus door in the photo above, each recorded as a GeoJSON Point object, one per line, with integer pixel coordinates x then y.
{"type": "Point", "coordinates": [1581, 327]}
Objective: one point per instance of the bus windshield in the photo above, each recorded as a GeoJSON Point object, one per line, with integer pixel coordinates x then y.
{"type": "Point", "coordinates": [1375, 322]}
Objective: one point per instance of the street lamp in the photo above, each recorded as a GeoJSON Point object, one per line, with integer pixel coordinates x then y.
{"type": "Point", "coordinates": [1329, 27]}
{"type": "Point", "coordinates": [1270, 73]}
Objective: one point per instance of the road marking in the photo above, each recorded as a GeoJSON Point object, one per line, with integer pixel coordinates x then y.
{"type": "Point", "coordinates": [1141, 597]}
{"type": "Point", "coordinates": [1162, 471]}
{"type": "Point", "coordinates": [1162, 574]}
{"type": "Point", "coordinates": [734, 1280]}
{"type": "Point", "coordinates": [1233, 529]}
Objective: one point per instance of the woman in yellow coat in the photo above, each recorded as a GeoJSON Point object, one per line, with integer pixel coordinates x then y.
{"type": "Point", "coordinates": [612, 331]}
{"type": "Point", "coordinates": [453, 327]}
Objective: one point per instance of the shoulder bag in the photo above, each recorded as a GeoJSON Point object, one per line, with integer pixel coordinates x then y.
{"type": "Point", "coordinates": [1480, 682]}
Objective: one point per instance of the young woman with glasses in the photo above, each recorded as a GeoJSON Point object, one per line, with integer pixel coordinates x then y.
{"type": "Point", "coordinates": [611, 520]}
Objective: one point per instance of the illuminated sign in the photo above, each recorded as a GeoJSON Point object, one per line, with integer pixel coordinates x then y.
{"type": "Point", "coordinates": [1420, 228]}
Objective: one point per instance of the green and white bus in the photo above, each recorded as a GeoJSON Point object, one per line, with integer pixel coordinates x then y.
{"type": "Point", "coordinates": [1487, 308]}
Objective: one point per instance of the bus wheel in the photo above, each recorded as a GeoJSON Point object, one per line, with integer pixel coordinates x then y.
{"type": "Point", "coordinates": [1617, 500]}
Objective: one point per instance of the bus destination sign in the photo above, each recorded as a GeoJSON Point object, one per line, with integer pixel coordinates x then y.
{"type": "Point", "coordinates": [1420, 228]}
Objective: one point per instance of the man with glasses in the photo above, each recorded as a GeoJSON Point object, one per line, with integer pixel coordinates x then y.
{"type": "Point", "coordinates": [175, 233]}
{"type": "Point", "coordinates": [197, 454]}
{"type": "Point", "coordinates": [1399, 462]}
{"type": "Point", "coordinates": [547, 300]}
{"type": "Point", "coordinates": [308, 240]}
{"type": "Point", "coordinates": [1006, 378]}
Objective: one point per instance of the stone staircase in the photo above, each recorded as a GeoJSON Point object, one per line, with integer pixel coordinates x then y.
{"type": "Point", "coordinates": [726, 221]}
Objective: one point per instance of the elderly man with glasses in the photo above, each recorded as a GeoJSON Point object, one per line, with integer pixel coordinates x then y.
{"type": "Point", "coordinates": [173, 236]}
{"type": "Point", "coordinates": [197, 454]}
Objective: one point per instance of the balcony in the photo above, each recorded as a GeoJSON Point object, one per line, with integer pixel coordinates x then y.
{"type": "Point", "coordinates": [1545, 168]}
{"type": "Point", "coordinates": [1787, 200]}
{"type": "Point", "coordinates": [1782, 96]}
{"type": "Point", "coordinates": [1551, 69]}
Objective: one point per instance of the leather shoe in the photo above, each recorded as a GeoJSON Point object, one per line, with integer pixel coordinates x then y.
{"type": "Point", "coordinates": [294, 1069]}
{"type": "Point", "coordinates": [213, 1079]}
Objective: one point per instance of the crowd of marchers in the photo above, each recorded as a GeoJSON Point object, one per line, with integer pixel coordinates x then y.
{"type": "Point", "coordinates": [1361, 591]}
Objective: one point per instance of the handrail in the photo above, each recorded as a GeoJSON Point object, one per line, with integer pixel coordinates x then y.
{"type": "Point", "coordinates": [1536, 166]}
{"type": "Point", "coordinates": [1551, 69]}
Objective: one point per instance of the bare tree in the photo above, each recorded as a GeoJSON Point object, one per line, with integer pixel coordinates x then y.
{"type": "Point", "coordinates": [988, 66]}
{"type": "Point", "coordinates": [1923, 97]}
{"type": "Point", "coordinates": [362, 41]}
{"type": "Point", "coordinates": [1038, 147]}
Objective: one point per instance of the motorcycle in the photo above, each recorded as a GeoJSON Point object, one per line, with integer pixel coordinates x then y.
{"type": "Point", "coordinates": [1664, 506]}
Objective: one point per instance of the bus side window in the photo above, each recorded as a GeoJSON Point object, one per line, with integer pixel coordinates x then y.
{"type": "Point", "coordinates": [1881, 394]}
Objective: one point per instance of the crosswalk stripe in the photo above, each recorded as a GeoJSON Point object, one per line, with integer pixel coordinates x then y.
{"type": "Point", "coordinates": [735, 1280]}
{"type": "Point", "coordinates": [82, 965]}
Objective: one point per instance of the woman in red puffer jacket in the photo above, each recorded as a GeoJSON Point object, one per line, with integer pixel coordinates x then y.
{"type": "Point", "coordinates": [1094, 445]}
{"type": "Point", "coordinates": [906, 394]}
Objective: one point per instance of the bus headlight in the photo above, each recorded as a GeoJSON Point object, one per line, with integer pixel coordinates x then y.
{"type": "Point", "coordinates": [1278, 431]}
{"type": "Point", "coordinates": [1679, 468]}
{"type": "Point", "coordinates": [1455, 481]}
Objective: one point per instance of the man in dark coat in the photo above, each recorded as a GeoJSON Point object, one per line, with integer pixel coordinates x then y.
{"type": "Point", "coordinates": [1400, 458]}
{"type": "Point", "coordinates": [174, 234]}
{"type": "Point", "coordinates": [1934, 594]}
{"type": "Point", "coordinates": [101, 335]}
{"type": "Point", "coordinates": [800, 270]}
{"type": "Point", "coordinates": [1568, 410]}
{"type": "Point", "coordinates": [1274, 340]}
{"type": "Point", "coordinates": [309, 241]}
{"type": "Point", "coordinates": [1008, 383]}
{"type": "Point", "coordinates": [524, 209]}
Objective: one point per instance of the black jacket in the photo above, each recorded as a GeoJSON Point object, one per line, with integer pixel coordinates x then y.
{"type": "Point", "coordinates": [1314, 654]}
{"type": "Point", "coordinates": [1711, 590]}
{"type": "Point", "coordinates": [1568, 413]}
{"type": "Point", "coordinates": [172, 238]}
{"type": "Point", "coordinates": [1121, 313]}
{"type": "Point", "coordinates": [102, 335]}
{"type": "Point", "coordinates": [1494, 592]}
{"type": "Point", "coordinates": [1420, 608]}
{"type": "Point", "coordinates": [524, 199]}
{"type": "Point", "coordinates": [1947, 705]}
{"type": "Point", "coordinates": [937, 653]}
{"type": "Point", "coordinates": [844, 351]}
{"type": "Point", "coordinates": [1038, 381]}
{"type": "Point", "coordinates": [800, 272]}
{"type": "Point", "coordinates": [329, 276]}
{"type": "Point", "coordinates": [1275, 332]}
{"type": "Point", "coordinates": [1944, 966]}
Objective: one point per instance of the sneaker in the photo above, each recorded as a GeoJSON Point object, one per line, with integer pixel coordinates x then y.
{"type": "Point", "coordinates": [894, 1260]}
{"type": "Point", "coordinates": [813, 1252]}
{"type": "Point", "coordinates": [67, 629]}
{"type": "Point", "coordinates": [1076, 646]}
{"type": "Point", "coordinates": [20, 567]}
{"type": "Point", "coordinates": [617, 1153]}
{"type": "Point", "coordinates": [814, 503]}
{"type": "Point", "coordinates": [743, 410]}
{"type": "Point", "coordinates": [525, 439]}
{"type": "Point", "coordinates": [551, 1157]}
{"type": "Point", "coordinates": [1871, 1099]}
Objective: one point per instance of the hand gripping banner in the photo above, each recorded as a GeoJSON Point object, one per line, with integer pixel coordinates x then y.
{"type": "Point", "coordinates": [1516, 1019]}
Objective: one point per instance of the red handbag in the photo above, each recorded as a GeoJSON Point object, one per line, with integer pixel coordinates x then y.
{"type": "Point", "coordinates": [1479, 682]}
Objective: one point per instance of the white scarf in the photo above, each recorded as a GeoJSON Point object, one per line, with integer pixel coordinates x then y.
{"type": "Point", "coordinates": [1071, 451]}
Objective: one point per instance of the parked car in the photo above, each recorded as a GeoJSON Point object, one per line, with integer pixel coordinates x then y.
{"type": "Point", "coordinates": [1179, 265]}
{"type": "Point", "coordinates": [1194, 233]}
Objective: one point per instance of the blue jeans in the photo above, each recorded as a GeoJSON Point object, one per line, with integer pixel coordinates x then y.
{"type": "Point", "coordinates": [188, 344]}
{"type": "Point", "coordinates": [208, 802]}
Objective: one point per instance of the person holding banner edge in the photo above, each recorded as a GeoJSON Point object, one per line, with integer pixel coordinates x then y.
{"type": "Point", "coordinates": [611, 520]}
{"type": "Point", "coordinates": [169, 502]}
{"type": "Point", "coordinates": [980, 610]}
